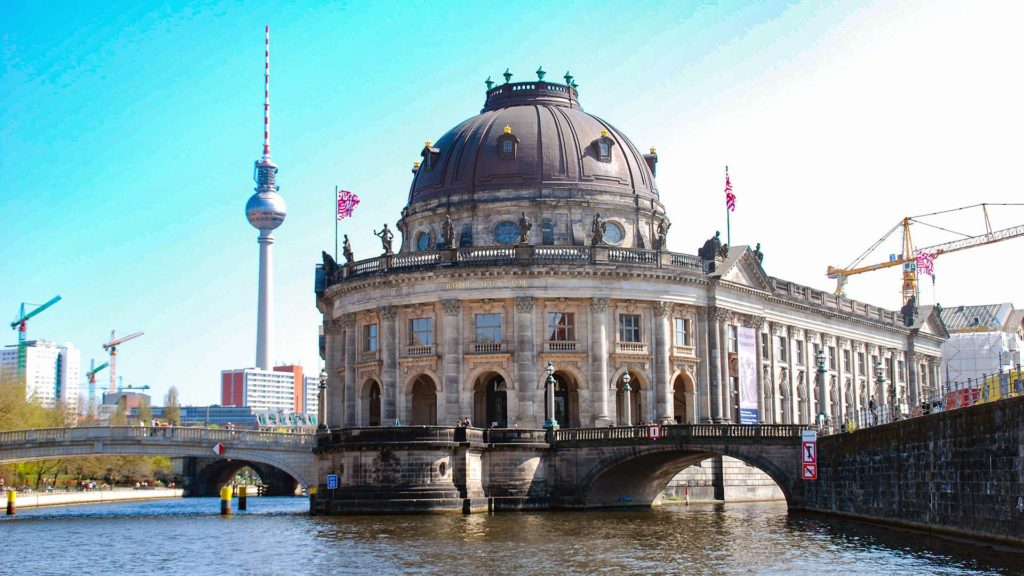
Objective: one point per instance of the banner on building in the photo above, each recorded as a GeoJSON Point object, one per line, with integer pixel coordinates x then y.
{"type": "Point", "coordinates": [747, 357]}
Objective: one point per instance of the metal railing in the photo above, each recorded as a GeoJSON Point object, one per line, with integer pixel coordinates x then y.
{"type": "Point", "coordinates": [683, 432]}
{"type": "Point", "coordinates": [172, 433]}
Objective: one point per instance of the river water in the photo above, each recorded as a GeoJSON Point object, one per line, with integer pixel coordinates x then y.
{"type": "Point", "coordinates": [276, 536]}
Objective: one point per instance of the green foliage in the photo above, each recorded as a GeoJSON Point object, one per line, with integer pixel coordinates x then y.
{"type": "Point", "coordinates": [172, 410]}
{"type": "Point", "coordinates": [145, 413]}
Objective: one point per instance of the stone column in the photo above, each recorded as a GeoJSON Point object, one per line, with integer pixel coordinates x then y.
{"type": "Point", "coordinates": [714, 366]}
{"type": "Point", "coordinates": [599, 338]}
{"type": "Point", "coordinates": [702, 413]}
{"type": "Point", "coordinates": [794, 415]}
{"type": "Point", "coordinates": [334, 362]}
{"type": "Point", "coordinates": [725, 389]}
{"type": "Point", "coordinates": [451, 359]}
{"type": "Point", "coordinates": [662, 363]}
{"type": "Point", "coordinates": [526, 363]}
{"type": "Point", "coordinates": [757, 323]}
{"type": "Point", "coordinates": [389, 365]}
{"type": "Point", "coordinates": [351, 396]}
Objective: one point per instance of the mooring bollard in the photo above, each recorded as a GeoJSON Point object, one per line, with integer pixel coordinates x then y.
{"type": "Point", "coordinates": [312, 499]}
{"type": "Point", "coordinates": [225, 500]}
{"type": "Point", "coordinates": [241, 497]}
{"type": "Point", "coordinates": [12, 495]}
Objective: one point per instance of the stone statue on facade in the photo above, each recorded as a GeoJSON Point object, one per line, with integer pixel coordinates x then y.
{"type": "Point", "coordinates": [386, 236]}
{"type": "Point", "coordinates": [712, 247]}
{"type": "Point", "coordinates": [448, 232]}
{"type": "Point", "coordinates": [909, 311]}
{"type": "Point", "coordinates": [758, 254]}
{"type": "Point", "coordinates": [330, 266]}
{"type": "Point", "coordinates": [346, 250]}
{"type": "Point", "coordinates": [525, 225]}
{"type": "Point", "coordinates": [660, 235]}
{"type": "Point", "coordinates": [597, 230]}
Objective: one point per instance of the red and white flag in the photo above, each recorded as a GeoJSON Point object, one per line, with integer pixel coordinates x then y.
{"type": "Point", "coordinates": [926, 263]}
{"type": "Point", "coordinates": [730, 198]}
{"type": "Point", "coordinates": [347, 202]}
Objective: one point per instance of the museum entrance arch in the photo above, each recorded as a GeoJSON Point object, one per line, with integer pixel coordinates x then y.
{"type": "Point", "coordinates": [370, 403]}
{"type": "Point", "coordinates": [490, 401]}
{"type": "Point", "coordinates": [423, 405]}
{"type": "Point", "coordinates": [567, 400]}
{"type": "Point", "coordinates": [684, 399]}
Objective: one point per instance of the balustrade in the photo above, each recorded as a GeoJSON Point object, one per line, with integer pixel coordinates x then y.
{"type": "Point", "coordinates": [561, 346]}
{"type": "Point", "coordinates": [631, 347]}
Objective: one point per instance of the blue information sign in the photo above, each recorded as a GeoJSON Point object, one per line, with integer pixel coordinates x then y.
{"type": "Point", "coordinates": [332, 481]}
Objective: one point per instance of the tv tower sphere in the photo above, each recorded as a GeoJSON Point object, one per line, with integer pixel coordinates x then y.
{"type": "Point", "coordinates": [266, 209]}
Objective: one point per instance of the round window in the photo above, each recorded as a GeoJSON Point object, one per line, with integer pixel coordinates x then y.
{"type": "Point", "coordinates": [506, 232]}
{"type": "Point", "coordinates": [613, 233]}
{"type": "Point", "coordinates": [423, 241]}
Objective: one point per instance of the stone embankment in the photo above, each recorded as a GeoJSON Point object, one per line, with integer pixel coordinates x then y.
{"type": "Point", "coordinates": [33, 499]}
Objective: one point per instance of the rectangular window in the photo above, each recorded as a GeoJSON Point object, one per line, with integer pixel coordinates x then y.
{"type": "Point", "coordinates": [561, 326]}
{"type": "Point", "coordinates": [798, 345]}
{"type": "Point", "coordinates": [488, 328]}
{"type": "Point", "coordinates": [629, 328]}
{"type": "Point", "coordinates": [781, 348]}
{"type": "Point", "coordinates": [831, 357]}
{"type": "Point", "coordinates": [421, 331]}
{"type": "Point", "coordinates": [860, 364]}
{"type": "Point", "coordinates": [888, 370]}
{"type": "Point", "coordinates": [734, 338]}
{"type": "Point", "coordinates": [681, 332]}
{"type": "Point", "coordinates": [846, 361]}
{"type": "Point", "coordinates": [370, 338]}
{"type": "Point", "coordinates": [764, 343]}
{"type": "Point", "coordinates": [899, 370]}
{"type": "Point", "coordinates": [547, 232]}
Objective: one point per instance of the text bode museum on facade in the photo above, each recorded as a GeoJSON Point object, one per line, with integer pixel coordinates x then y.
{"type": "Point", "coordinates": [534, 234]}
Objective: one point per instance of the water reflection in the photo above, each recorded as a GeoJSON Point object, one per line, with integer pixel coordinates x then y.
{"type": "Point", "coordinates": [276, 536]}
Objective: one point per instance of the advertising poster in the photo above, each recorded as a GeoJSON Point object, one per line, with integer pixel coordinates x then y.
{"type": "Point", "coordinates": [747, 356]}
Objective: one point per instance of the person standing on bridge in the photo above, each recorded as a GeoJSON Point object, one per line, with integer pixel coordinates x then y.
{"type": "Point", "coordinates": [871, 408]}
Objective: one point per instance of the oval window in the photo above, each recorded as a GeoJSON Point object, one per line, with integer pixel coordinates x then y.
{"type": "Point", "coordinates": [613, 233]}
{"type": "Point", "coordinates": [506, 232]}
{"type": "Point", "coordinates": [423, 241]}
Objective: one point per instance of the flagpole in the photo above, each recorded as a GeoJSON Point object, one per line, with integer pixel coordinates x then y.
{"type": "Point", "coordinates": [728, 221]}
{"type": "Point", "coordinates": [335, 223]}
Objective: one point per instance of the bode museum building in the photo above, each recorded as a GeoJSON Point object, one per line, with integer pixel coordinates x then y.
{"type": "Point", "coordinates": [534, 235]}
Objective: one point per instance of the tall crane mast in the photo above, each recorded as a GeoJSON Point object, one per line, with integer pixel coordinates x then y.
{"type": "Point", "coordinates": [112, 347]}
{"type": "Point", "coordinates": [21, 325]}
{"type": "Point", "coordinates": [91, 375]}
{"type": "Point", "coordinates": [909, 255]}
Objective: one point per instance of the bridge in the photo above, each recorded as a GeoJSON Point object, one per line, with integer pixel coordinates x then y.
{"type": "Point", "coordinates": [284, 461]}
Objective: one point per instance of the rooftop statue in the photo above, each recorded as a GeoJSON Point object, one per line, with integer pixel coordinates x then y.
{"type": "Point", "coordinates": [386, 236]}
{"type": "Point", "coordinates": [758, 254]}
{"type": "Point", "coordinates": [330, 266]}
{"type": "Point", "coordinates": [525, 225]}
{"type": "Point", "coordinates": [660, 236]}
{"type": "Point", "coordinates": [346, 250]}
{"type": "Point", "coordinates": [448, 232]}
{"type": "Point", "coordinates": [909, 311]}
{"type": "Point", "coordinates": [712, 247]}
{"type": "Point", "coordinates": [597, 230]}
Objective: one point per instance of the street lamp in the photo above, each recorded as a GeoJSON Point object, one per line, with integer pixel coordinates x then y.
{"type": "Point", "coordinates": [321, 409]}
{"type": "Point", "coordinates": [820, 359]}
{"type": "Point", "coordinates": [879, 376]}
{"type": "Point", "coordinates": [626, 420]}
{"type": "Point", "coordinates": [549, 391]}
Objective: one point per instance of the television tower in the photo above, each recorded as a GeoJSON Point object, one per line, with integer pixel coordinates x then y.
{"type": "Point", "coordinates": [266, 211]}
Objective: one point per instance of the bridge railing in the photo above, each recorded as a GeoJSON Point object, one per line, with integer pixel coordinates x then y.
{"type": "Point", "coordinates": [683, 432]}
{"type": "Point", "coordinates": [400, 435]}
{"type": "Point", "coordinates": [172, 433]}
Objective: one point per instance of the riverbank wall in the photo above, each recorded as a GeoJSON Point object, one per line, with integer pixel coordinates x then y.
{"type": "Point", "coordinates": [34, 499]}
{"type": "Point", "coordinates": [959, 472]}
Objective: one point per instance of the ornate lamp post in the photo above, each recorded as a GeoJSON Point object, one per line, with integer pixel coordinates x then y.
{"type": "Point", "coordinates": [879, 375]}
{"type": "Point", "coordinates": [549, 391]}
{"type": "Point", "coordinates": [822, 414]}
{"type": "Point", "coordinates": [626, 420]}
{"type": "Point", "coordinates": [321, 409]}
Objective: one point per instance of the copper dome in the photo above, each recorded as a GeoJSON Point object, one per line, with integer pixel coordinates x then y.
{"type": "Point", "coordinates": [555, 145]}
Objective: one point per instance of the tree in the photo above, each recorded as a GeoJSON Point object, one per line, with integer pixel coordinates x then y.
{"type": "Point", "coordinates": [172, 410]}
{"type": "Point", "coordinates": [120, 415]}
{"type": "Point", "coordinates": [145, 412]}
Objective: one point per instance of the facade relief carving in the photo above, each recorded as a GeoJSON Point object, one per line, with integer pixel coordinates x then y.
{"type": "Point", "coordinates": [599, 305]}
{"type": "Point", "coordinates": [389, 313]}
{"type": "Point", "coordinates": [661, 309]}
{"type": "Point", "coordinates": [524, 304]}
{"type": "Point", "coordinates": [451, 307]}
{"type": "Point", "coordinates": [349, 320]}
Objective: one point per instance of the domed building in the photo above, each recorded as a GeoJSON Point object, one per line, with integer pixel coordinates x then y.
{"type": "Point", "coordinates": [534, 236]}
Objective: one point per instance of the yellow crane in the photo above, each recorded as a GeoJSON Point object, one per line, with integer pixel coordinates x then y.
{"type": "Point", "coordinates": [909, 255]}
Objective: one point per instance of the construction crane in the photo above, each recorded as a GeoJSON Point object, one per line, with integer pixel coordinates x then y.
{"type": "Point", "coordinates": [112, 347]}
{"type": "Point", "coordinates": [908, 259]}
{"type": "Point", "coordinates": [91, 375]}
{"type": "Point", "coordinates": [21, 325]}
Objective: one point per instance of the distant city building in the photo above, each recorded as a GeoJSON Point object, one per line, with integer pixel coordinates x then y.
{"type": "Point", "coordinates": [51, 371]}
{"type": "Point", "coordinates": [283, 388]}
{"type": "Point", "coordinates": [132, 401]}
{"type": "Point", "coordinates": [241, 417]}
{"type": "Point", "coordinates": [984, 340]}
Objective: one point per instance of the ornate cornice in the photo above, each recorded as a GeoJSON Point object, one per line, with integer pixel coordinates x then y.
{"type": "Point", "coordinates": [389, 313]}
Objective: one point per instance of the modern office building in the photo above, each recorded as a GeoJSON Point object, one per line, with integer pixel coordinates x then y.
{"type": "Point", "coordinates": [283, 388]}
{"type": "Point", "coordinates": [51, 371]}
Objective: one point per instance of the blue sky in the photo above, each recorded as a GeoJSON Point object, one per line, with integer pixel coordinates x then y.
{"type": "Point", "coordinates": [128, 132]}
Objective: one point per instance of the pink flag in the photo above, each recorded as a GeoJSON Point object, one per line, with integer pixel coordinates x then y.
{"type": "Point", "coordinates": [926, 263]}
{"type": "Point", "coordinates": [347, 202]}
{"type": "Point", "coordinates": [730, 198]}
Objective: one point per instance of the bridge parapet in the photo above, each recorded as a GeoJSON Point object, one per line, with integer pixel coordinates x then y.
{"type": "Point", "coordinates": [784, 432]}
{"type": "Point", "coordinates": [170, 433]}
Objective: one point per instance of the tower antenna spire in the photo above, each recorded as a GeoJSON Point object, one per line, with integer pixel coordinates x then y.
{"type": "Point", "coordinates": [266, 98]}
